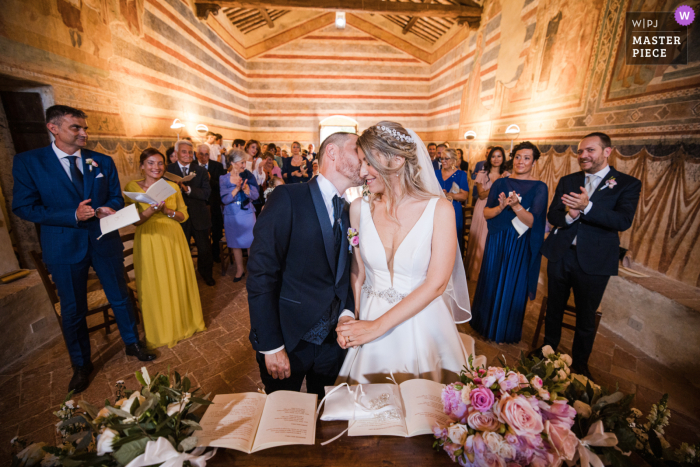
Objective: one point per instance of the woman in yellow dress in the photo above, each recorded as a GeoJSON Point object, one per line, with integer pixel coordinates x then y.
{"type": "Point", "coordinates": [165, 277]}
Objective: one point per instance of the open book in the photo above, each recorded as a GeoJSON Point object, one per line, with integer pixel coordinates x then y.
{"type": "Point", "coordinates": [159, 191]}
{"type": "Point", "coordinates": [176, 178]}
{"type": "Point", "coordinates": [250, 422]}
{"type": "Point", "coordinates": [412, 408]}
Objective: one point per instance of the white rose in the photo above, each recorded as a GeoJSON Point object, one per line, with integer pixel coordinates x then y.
{"type": "Point", "coordinates": [176, 407]}
{"type": "Point", "coordinates": [562, 375]}
{"type": "Point", "coordinates": [105, 440]}
{"type": "Point", "coordinates": [583, 409]}
{"type": "Point", "coordinates": [498, 445]}
{"type": "Point", "coordinates": [557, 363]}
{"type": "Point", "coordinates": [547, 351]}
{"type": "Point", "coordinates": [126, 406]}
{"type": "Point", "coordinates": [457, 433]}
{"type": "Point", "coordinates": [466, 391]}
{"type": "Point", "coordinates": [566, 359]}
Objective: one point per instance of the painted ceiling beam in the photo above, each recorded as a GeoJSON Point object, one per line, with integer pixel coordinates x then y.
{"type": "Point", "coordinates": [356, 6]}
{"type": "Point", "coordinates": [266, 17]}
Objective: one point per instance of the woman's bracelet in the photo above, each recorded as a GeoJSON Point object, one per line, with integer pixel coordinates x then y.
{"type": "Point", "coordinates": [521, 208]}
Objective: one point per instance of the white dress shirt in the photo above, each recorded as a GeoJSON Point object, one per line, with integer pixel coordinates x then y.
{"type": "Point", "coordinates": [189, 171]}
{"type": "Point", "coordinates": [598, 177]}
{"type": "Point", "coordinates": [65, 162]}
{"type": "Point", "coordinates": [214, 151]}
{"type": "Point", "coordinates": [328, 191]}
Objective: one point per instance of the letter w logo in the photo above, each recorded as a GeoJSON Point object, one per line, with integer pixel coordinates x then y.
{"type": "Point", "coordinates": [685, 15]}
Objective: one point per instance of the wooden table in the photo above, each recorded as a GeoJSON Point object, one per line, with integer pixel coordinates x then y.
{"type": "Point", "coordinates": [345, 451]}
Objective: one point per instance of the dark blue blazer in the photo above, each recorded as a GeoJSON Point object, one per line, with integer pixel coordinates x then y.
{"type": "Point", "coordinates": [597, 233]}
{"type": "Point", "coordinates": [292, 272]}
{"type": "Point", "coordinates": [44, 194]}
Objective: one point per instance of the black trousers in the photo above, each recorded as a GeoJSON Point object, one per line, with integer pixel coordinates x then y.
{"type": "Point", "coordinates": [319, 364]}
{"type": "Point", "coordinates": [564, 275]}
{"type": "Point", "coordinates": [201, 239]}
{"type": "Point", "coordinates": [217, 231]}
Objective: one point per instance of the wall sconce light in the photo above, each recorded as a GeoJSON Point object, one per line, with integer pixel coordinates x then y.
{"type": "Point", "coordinates": [201, 130]}
{"type": "Point", "coordinates": [469, 136]}
{"type": "Point", "coordinates": [340, 20]}
{"type": "Point", "coordinates": [177, 126]}
{"type": "Point", "coordinates": [512, 131]}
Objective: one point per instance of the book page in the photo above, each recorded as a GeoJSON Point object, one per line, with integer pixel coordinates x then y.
{"type": "Point", "coordinates": [424, 409]}
{"type": "Point", "coordinates": [140, 197]}
{"type": "Point", "coordinates": [231, 421]}
{"type": "Point", "coordinates": [119, 219]}
{"type": "Point", "coordinates": [393, 425]}
{"type": "Point", "coordinates": [176, 178]}
{"type": "Point", "coordinates": [160, 191]}
{"type": "Point", "coordinates": [288, 418]}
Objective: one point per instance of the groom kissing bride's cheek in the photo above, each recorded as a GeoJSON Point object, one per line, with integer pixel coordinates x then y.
{"type": "Point", "coordinates": [328, 311]}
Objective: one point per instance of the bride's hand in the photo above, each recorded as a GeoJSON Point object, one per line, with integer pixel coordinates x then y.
{"type": "Point", "coordinates": [342, 342]}
{"type": "Point", "coordinates": [358, 332]}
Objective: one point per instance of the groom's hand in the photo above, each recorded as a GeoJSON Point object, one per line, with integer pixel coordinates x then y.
{"type": "Point", "coordinates": [342, 342]}
{"type": "Point", "coordinates": [277, 365]}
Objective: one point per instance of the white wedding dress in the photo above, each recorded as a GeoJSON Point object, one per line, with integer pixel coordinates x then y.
{"type": "Point", "coordinates": [426, 346]}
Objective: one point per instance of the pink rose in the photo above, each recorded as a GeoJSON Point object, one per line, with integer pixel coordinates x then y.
{"type": "Point", "coordinates": [452, 402]}
{"type": "Point", "coordinates": [543, 393]}
{"type": "Point", "coordinates": [482, 399]}
{"type": "Point", "coordinates": [522, 378]}
{"type": "Point", "coordinates": [355, 241]}
{"type": "Point", "coordinates": [511, 438]}
{"type": "Point", "coordinates": [489, 459]}
{"type": "Point", "coordinates": [536, 382]}
{"type": "Point", "coordinates": [519, 415]}
{"type": "Point", "coordinates": [483, 421]}
{"type": "Point", "coordinates": [511, 381]}
{"type": "Point", "coordinates": [562, 439]}
{"type": "Point", "coordinates": [559, 413]}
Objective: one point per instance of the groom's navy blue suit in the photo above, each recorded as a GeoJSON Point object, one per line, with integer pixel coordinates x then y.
{"type": "Point", "coordinates": [295, 283]}
{"type": "Point", "coordinates": [44, 194]}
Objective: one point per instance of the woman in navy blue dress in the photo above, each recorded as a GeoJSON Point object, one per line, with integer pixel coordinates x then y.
{"type": "Point", "coordinates": [511, 263]}
{"type": "Point", "coordinates": [238, 190]}
{"type": "Point", "coordinates": [455, 185]}
{"type": "Point", "coordinates": [295, 167]}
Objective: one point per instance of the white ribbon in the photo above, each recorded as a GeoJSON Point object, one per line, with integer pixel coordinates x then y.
{"type": "Point", "coordinates": [596, 437]}
{"type": "Point", "coordinates": [162, 452]}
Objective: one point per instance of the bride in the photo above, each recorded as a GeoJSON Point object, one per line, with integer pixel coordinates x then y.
{"type": "Point", "coordinates": [407, 275]}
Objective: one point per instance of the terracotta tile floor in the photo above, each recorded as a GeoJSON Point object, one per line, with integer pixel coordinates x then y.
{"type": "Point", "coordinates": [221, 360]}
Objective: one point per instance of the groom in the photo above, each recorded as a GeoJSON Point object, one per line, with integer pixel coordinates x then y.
{"type": "Point", "coordinates": [299, 274]}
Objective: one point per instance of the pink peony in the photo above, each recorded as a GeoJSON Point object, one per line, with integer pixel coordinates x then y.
{"type": "Point", "coordinates": [562, 439]}
{"type": "Point", "coordinates": [355, 241]}
{"type": "Point", "coordinates": [511, 381]}
{"type": "Point", "coordinates": [482, 399]}
{"type": "Point", "coordinates": [452, 402]}
{"type": "Point", "coordinates": [536, 382]}
{"type": "Point", "coordinates": [559, 413]}
{"type": "Point", "coordinates": [517, 413]}
{"type": "Point", "coordinates": [483, 421]}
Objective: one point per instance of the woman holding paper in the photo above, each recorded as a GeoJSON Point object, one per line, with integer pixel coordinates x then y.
{"type": "Point", "coordinates": [238, 188]}
{"type": "Point", "coordinates": [165, 277]}
{"type": "Point", "coordinates": [455, 186]}
{"type": "Point", "coordinates": [516, 210]}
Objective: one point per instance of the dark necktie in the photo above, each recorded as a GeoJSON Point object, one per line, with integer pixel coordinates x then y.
{"type": "Point", "coordinates": [338, 203]}
{"type": "Point", "coordinates": [184, 171]}
{"type": "Point", "coordinates": [76, 175]}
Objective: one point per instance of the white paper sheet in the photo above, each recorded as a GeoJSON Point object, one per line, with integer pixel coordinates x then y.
{"type": "Point", "coordinates": [232, 421]}
{"type": "Point", "coordinates": [119, 219]}
{"type": "Point", "coordinates": [159, 191]}
{"type": "Point", "coordinates": [176, 178]}
{"type": "Point", "coordinates": [519, 226]}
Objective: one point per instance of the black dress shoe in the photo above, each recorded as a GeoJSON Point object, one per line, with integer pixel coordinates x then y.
{"type": "Point", "coordinates": [81, 378]}
{"type": "Point", "coordinates": [210, 282]}
{"type": "Point", "coordinates": [238, 279]}
{"type": "Point", "coordinates": [581, 370]}
{"type": "Point", "coordinates": [135, 350]}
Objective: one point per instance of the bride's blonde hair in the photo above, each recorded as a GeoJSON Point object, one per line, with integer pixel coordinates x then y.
{"type": "Point", "coordinates": [381, 143]}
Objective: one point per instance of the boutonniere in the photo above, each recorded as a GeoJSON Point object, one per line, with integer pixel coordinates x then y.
{"type": "Point", "coordinates": [609, 183]}
{"type": "Point", "coordinates": [353, 237]}
{"type": "Point", "coordinates": [91, 163]}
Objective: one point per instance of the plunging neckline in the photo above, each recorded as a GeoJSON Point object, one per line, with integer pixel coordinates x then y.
{"type": "Point", "coordinates": [386, 261]}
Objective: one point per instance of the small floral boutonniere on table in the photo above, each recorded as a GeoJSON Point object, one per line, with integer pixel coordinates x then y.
{"type": "Point", "coordinates": [353, 238]}
{"type": "Point", "coordinates": [609, 183]}
{"type": "Point", "coordinates": [91, 163]}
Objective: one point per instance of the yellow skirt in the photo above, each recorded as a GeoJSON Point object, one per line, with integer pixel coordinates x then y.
{"type": "Point", "coordinates": [166, 283]}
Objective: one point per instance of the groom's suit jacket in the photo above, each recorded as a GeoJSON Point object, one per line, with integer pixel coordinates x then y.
{"type": "Point", "coordinates": [292, 273]}
{"type": "Point", "coordinates": [597, 233]}
{"type": "Point", "coordinates": [44, 194]}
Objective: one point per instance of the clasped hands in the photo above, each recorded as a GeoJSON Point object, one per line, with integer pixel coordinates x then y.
{"type": "Point", "coordinates": [352, 332]}
{"type": "Point", "coordinates": [576, 202]}
{"type": "Point", "coordinates": [513, 201]}
{"type": "Point", "coordinates": [241, 185]}
{"type": "Point", "coordinates": [85, 211]}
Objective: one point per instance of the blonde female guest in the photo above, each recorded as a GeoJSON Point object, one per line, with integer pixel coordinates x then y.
{"type": "Point", "coordinates": [494, 168]}
{"type": "Point", "coordinates": [165, 277]}
{"type": "Point", "coordinates": [252, 150]}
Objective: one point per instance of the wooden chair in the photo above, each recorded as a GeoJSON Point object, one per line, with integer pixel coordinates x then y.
{"type": "Point", "coordinates": [131, 283]}
{"type": "Point", "coordinates": [225, 255]}
{"type": "Point", "coordinates": [97, 301]}
{"type": "Point", "coordinates": [569, 310]}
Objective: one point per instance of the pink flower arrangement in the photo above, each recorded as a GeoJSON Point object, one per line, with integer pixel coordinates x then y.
{"type": "Point", "coordinates": [353, 237]}
{"type": "Point", "coordinates": [503, 418]}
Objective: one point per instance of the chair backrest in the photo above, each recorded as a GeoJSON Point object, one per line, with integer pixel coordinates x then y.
{"type": "Point", "coordinates": [128, 252]}
{"type": "Point", "coordinates": [45, 277]}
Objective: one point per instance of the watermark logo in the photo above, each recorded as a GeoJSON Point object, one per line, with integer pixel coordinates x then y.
{"type": "Point", "coordinates": [684, 15]}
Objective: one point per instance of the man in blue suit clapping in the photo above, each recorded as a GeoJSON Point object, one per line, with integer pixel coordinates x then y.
{"type": "Point", "coordinates": [66, 188]}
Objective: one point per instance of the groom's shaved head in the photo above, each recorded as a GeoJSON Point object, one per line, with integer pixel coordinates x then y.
{"type": "Point", "coordinates": [336, 139]}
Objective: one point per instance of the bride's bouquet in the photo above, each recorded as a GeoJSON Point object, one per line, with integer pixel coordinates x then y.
{"type": "Point", "coordinates": [503, 418]}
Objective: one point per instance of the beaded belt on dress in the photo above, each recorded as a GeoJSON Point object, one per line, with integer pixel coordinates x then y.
{"type": "Point", "coordinates": [390, 295]}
